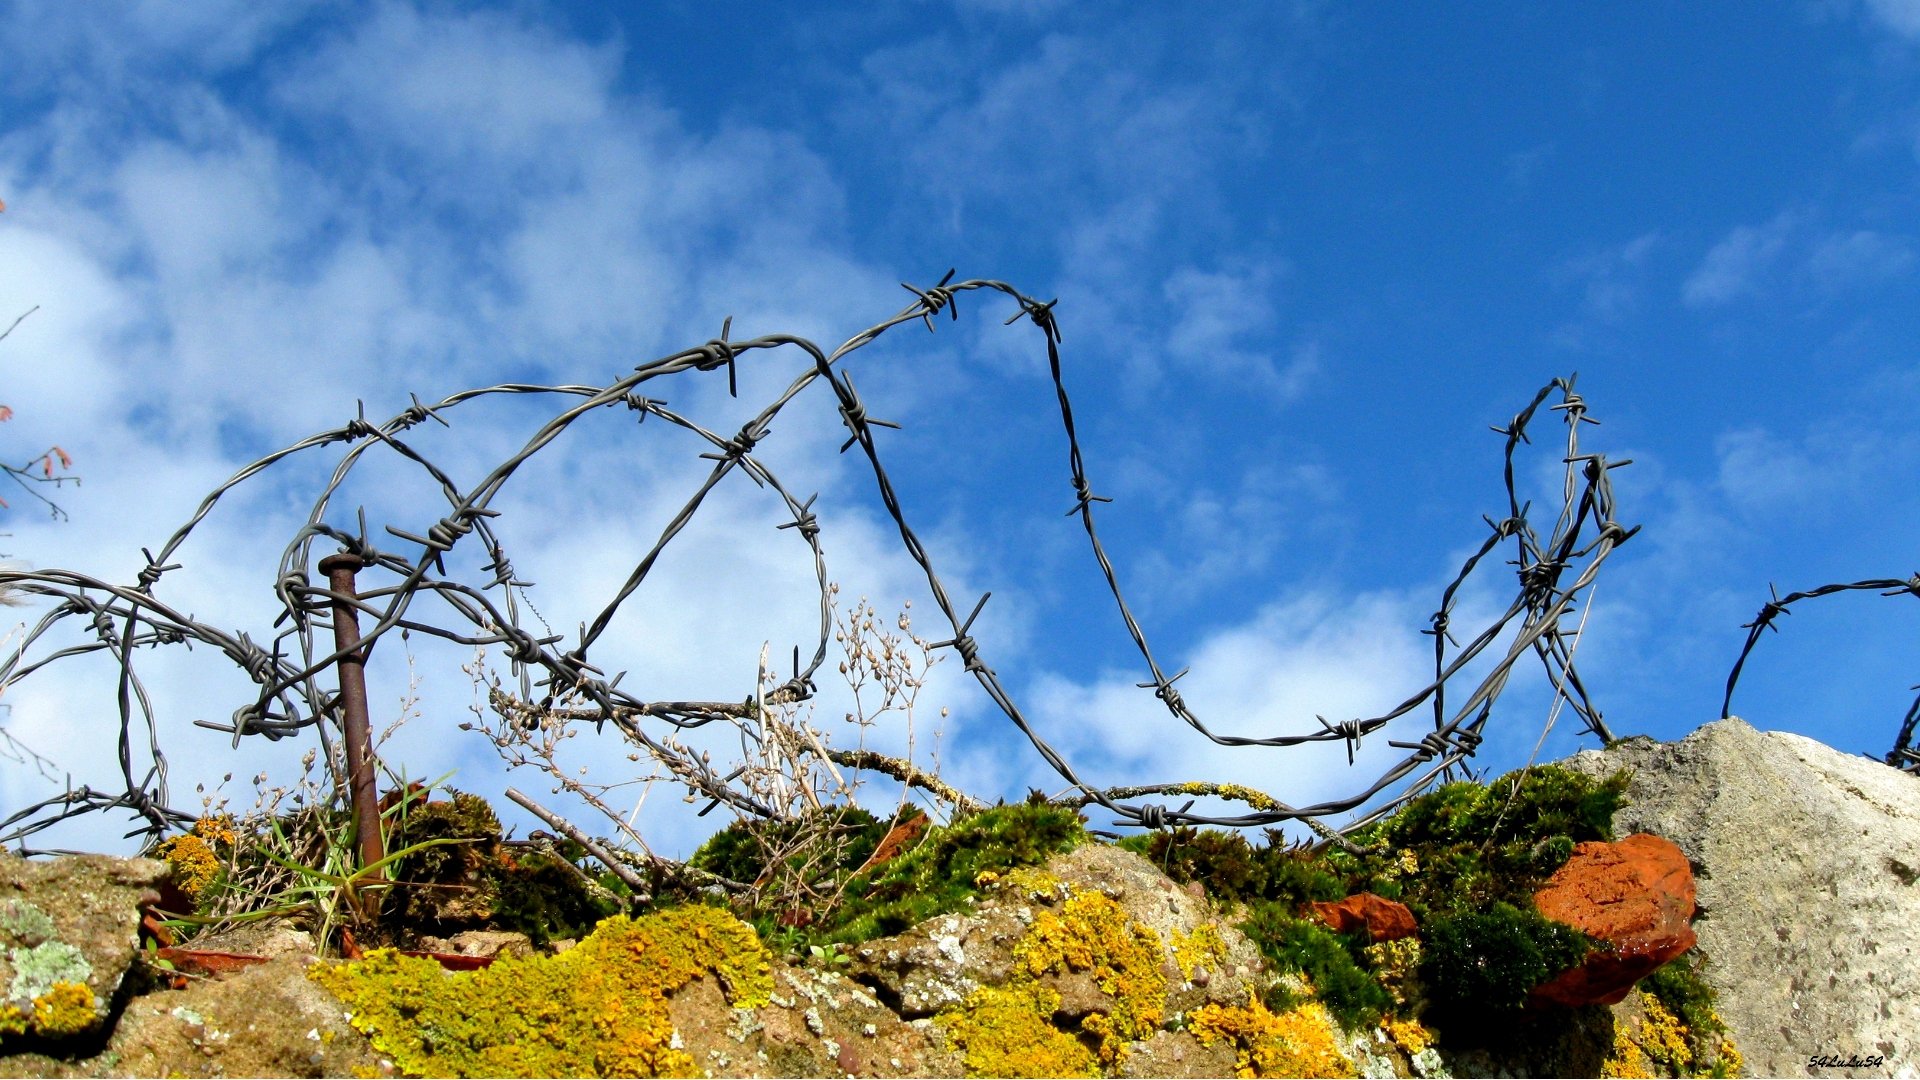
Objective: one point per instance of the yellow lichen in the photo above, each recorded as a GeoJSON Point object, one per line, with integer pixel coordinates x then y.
{"type": "Point", "coordinates": [1202, 948]}
{"type": "Point", "coordinates": [1410, 1035]}
{"type": "Point", "coordinates": [598, 1009]}
{"type": "Point", "coordinates": [1657, 1042]}
{"type": "Point", "coordinates": [1031, 882]}
{"type": "Point", "coordinates": [1094, 934]}
{"type": "Point", "coordinates": [1730, 1063]}
{"type": "Point", "coordinates": [217, 829]}
{"type": "Point", "coordinates": [1663, 1036]}
{"type": "Point", "coordinates": [67, 1009]}
{"type": "Point", "coordinates": [1301, 1042]}
{"type": "Point", "coordinates": [1259, 800]}
{"type": "Point", "coordinates": [1627, 1062]}
{"type": "Point", "coordinates": [1397, 963]}
{"type": "Point", "coordinates": [1007, 1031]}
{"type": "Point", "coordinates": [195, 866]}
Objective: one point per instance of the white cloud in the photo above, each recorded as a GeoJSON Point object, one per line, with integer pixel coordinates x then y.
{"type": "Point", "coordinates": [97, 49]}
{"type": "Point", "coordinates": [1732, 268]}
{"type": "Point", "coordinates": [1861, 257]}
{"type": "Point", "coordinates": [1764, 474]}
{"type": "Point", "coordinates": [479, 87]}
{"type": "Point", "coordinates": [1902, 17]}
{"type": "Point", "coordinates": [1317, 654]}
{"type": "Point", "coordinates": [1221, 329]}
{"type": "Point", "coordinates": [207, 291]}
{"type": "Point", "coordinates": [1612, 278]}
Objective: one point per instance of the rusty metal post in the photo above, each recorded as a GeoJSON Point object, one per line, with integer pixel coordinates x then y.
{"type": "Point", "coordinates": [361, 790]}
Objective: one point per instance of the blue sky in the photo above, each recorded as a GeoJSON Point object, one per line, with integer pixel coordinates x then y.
{"type": "Point", "coordinates": [1304, 254]}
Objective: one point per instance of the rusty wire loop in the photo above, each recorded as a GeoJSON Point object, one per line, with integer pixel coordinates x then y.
{"type": "Point", "coordinates": [1904, 755]}
{"type": "Point", "coordinates": [1550, 572]}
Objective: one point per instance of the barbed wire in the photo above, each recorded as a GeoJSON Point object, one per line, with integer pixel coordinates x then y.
{"type": "Point", "coordinates": [1904, 755]}
{"type": "Point", "coordinates": [561, 682]}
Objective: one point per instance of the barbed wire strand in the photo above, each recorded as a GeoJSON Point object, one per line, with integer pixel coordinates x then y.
{"type": "Point", "coordinates": [292, 696]}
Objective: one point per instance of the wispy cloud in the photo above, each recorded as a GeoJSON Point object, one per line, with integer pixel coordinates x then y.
{"type": "Point", "coordinates": [1733, 267]}
{"type": "Point", "coordinates": [1861, 257]}
{"type": "Point", "coordinates": [1612, 279]}
{"type": "Point", "coordinates": [1902, 17]}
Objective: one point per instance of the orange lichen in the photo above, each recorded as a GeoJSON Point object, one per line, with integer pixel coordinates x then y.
{"type": "Point", "coordinates": [1300, 1042]}
{"type": "Point", "coordinates": [598, 1009]}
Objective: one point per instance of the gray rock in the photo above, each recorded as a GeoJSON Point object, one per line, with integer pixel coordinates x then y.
{"type": "Point", "coordinates": [71, 920]}
{"type": "Point", "coordinates": [1807, 865]}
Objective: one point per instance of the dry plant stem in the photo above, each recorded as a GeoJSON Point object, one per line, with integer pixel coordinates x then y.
{"type": "Point", "coordinates": [543, 843]}
{"type": "Point", "coordinates": [641, 894]}
{"type": "Point", "coordinates": [907, 773]}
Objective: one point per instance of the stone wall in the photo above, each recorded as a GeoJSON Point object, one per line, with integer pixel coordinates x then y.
{"type": "Point", "coordinates": [1807, 863]}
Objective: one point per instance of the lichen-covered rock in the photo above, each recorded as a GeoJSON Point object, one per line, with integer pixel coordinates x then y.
{"type": "Point", "coordinates": [1382, 919]}
{"type": "Point", "coordinates": [600, 1008]}
{"type": "Point", "coordinates": [1093, 952]}
{"type": "Point", "coordinates": [939, 963]}
{"type": "Point", "coordinates": [1807, 863]}
{"type": "Point", "coordinates": [1636, 895]}
{"type": "Point", "coordinates": [69, 930]}
{"type": "Point", "coordinates": [263, 1020]}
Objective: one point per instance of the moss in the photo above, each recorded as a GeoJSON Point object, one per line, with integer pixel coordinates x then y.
{"type": "Point", "coordinates": [447, 887]}
{"type": "Point", "coordinates": [835, 837]}
{"type": "Point", "coordinates": [1299, 1042]}
{"type": "Point", "coordinates": [543, 898]}
{"type": "Point", "coordinates": [1476, 846]}
{"type": "Point", "coordinates": [599, 1009]}
{"type": "Point", "coordinates": [1008, 1031]}
{"type": "Point", "coordinates": [1092, 933]}
{"type": "Point", "coordinates": [1224, 861]}
{"type": "Point", "coordinates": [1486, 962]}
{"type": "Point", "coordinates": [1353, 994]}
{"type": "Point", "coordinates": [940, 874]}
{"type": "Point", "coordinates": [1677, 1032]}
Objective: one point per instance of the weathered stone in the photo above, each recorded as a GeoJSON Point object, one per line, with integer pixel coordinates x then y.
{"type": "Point", "coordinates": [491, 943]}
{"type": "Point", "coordinates": [1382, 919]}
{"type": "Point", "coordinates": [1178, 1053]}
{"type": "Point", "coordinates": [941, 961]}
{"type": "Point", "coordinates": [70, 920]}
{"type": "Point", "coordinates": [1807, 863]}
{"type": "Point", "coordinates": [1637, 896]}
